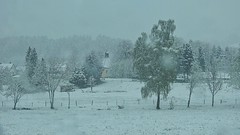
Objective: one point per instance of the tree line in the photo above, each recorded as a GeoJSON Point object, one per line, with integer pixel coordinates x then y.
{"type": "Point", "coordinates": [161, 59]}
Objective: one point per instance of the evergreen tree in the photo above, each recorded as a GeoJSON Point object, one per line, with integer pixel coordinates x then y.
{"type": "Point", "coordinates": [27, 64]}
{"type": "Point", "coordinates": [34, 59]}
{"type": "Point", "coordinates": [187, 59]}
{"type": "Point", "coordinates": [40, 76]}
{"type": "Point", "coordinates": [156, 63]}
{"type": "Point", "coordinates": [31, 63]}
{"type": "Point", "coordinates": [93, 66]}
{"type": "Point", "coordinates": [78, 78]}
{"type": "Point", "coordinates": [141, 58]}
{"type": "Point", "coordinates": [201, 59]}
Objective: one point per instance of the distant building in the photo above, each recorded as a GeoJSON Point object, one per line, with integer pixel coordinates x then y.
{"type": "Point", "coordinates": [105, 65]}
{"type": "Point", "coordinates": [9, 66]}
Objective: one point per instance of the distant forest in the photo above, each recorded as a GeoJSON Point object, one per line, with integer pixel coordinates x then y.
{"type": "Point", "coordinates": [13, 49]}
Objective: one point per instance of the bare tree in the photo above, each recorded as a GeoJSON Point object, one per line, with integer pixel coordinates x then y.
{"type": "Point", "coordinates": [212, 79]}
{"type": "Point", "coordinates": [54, 76]}
{"type": "Point", "coordinates": [50, 76]}
{"type": "Point", "coordinates": [16, 89]}
{"type": "Point", "coordinates": [194, 79]}
{"type": "Point", "coordinates": [214, 85]}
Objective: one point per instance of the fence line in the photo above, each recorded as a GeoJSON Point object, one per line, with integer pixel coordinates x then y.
{"type": "Point", "coordinates": [117, 102]}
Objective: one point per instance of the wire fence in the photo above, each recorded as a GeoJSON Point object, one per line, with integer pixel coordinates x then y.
{"type": "Point", "coordinates": [63, 103]}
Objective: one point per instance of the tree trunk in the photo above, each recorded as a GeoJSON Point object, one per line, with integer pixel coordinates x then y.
{"type": "Point", "coordinates": [189, 98]}
{"type": "Point", "coordinates": [212, 100]}
{"type": "Point", "coordinates": [158, 101]}
{"type": "Point", "coordinates": [15, 105]}
{"type": "Point", "coordinates": [68, 100]}
{"type": "Point", "coordinates": [52, 105]}
{"type": "Point", "coordinates": [51, 94]}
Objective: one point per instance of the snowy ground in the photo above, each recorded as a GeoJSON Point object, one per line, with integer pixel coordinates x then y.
{"type": "Point", "coordinates": [97, 113]}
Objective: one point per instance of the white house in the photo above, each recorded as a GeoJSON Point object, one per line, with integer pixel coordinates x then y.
{"type": "Point", "coordinates": [9, 66]}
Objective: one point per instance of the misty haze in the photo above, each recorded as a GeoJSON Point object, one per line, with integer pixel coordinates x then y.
{"type": "Point", "coordinates": [119, 67]}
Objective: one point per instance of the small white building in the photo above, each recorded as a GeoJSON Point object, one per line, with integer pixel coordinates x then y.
{"type": "Point", "coordinates": [9, 66]}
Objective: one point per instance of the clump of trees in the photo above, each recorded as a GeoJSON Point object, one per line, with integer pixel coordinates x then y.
{"type": "Point", "coordinates": [215, 66]}
{"type": "Point", "coordinates": [89, 74]}
{"type": "Point", "coordinates": [44, 76]}
{"type": "Point", "coordinates": [235, 72]}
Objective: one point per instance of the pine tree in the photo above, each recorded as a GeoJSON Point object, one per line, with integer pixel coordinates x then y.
{"type": "Point", "coordinates": [187, 59]}
{"type": "Point", "coordinates": [201, 59]}
{"type": "Point", "coordinates": [141, 58]}
{"type": "Point", "coordinates": [93, 66]}
{"type": "Point", "coordinates": [27, 64]}
{"type": "Point", "coordinates": [78, 78]}
{"type": "Point", "coordinates": [34, 59]}
{"type": "Point", "coordinates": [156, 63]}
{"type": "Point", "coordinates": [31, 63]}
{"type": "Point", "coordinates": [40, 76]}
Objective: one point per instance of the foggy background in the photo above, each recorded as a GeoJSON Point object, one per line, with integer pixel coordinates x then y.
{"type": "Point", "coordinates": [212, 21]}
{"type": "Point", "coordinates": [37, 22]}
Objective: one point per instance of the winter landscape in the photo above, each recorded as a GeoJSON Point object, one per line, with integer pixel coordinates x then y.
{"type": "Point", "coordinates": [111, 68]}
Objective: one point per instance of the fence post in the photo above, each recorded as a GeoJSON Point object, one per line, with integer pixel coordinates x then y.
{"type": "Point", "coordinates": [92, 102]}
{"type": "Point", "coordinates": [107, 103]}
{"type": "Point", "coordinates": [32, 104]}
{"type": "Point", "coordinates": [45, 103]}
{"type": "Point", "coordinates": [76, 103]}
{"type": "Point", "coordinates": [204, 101]}
{"type": "Point", "coordinates": [61, 104]}
{"type": "Point", "coordinates": [2, 103]}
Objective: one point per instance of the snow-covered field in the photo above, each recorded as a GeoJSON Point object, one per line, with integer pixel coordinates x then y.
{"type": "Point", "coordinates": [97, 113]}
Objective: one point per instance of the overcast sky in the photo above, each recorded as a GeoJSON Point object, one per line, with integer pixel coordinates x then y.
{"type": "Point", "coordinates": [208, 20]}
